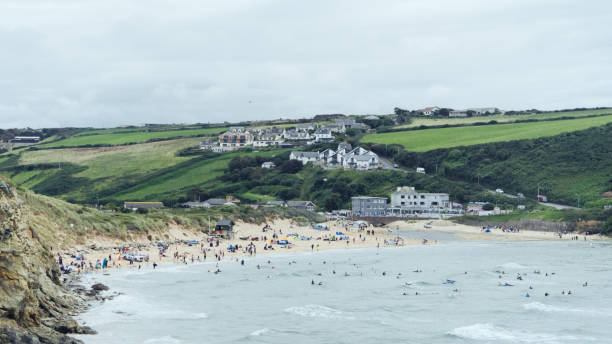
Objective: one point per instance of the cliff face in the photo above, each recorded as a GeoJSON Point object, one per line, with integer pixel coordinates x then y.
{"type": "Point", "coordinates": [34, 306]}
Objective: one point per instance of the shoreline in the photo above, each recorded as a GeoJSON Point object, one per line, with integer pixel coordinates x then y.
{"type": "Point", "coordinates": [178, 252]}
{"type": "Point", "coordinates": [302, 239]}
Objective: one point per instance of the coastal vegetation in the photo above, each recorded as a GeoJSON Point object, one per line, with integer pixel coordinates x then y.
{"type": "Point", "coordinates": [572, 168]}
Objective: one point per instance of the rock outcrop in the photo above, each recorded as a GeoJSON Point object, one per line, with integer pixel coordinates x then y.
{"type": "Point", "coordinates": [34, 305]}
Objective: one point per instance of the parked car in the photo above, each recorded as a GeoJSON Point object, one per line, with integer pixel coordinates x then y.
{"type": "Point", "coordinates": [499, 191]}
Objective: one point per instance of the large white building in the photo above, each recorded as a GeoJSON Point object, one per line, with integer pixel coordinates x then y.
{"type": "Point", "coordinates": [406, 200]}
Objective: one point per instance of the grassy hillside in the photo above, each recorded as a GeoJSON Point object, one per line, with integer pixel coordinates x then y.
{"type": "Point", "coordinates": [570, 167]}
{"type": "Point", "coordinates": [430, 139]}
{"type": "Point", "coordinates": [424, 121]}
{"type": "Point", "coordinates": [123, 136]}
{"type": "Point", "coordinates": [67, 224]}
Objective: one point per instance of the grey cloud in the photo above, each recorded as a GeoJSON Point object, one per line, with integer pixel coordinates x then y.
{"type": "Point", "coordinates": [106, 63]}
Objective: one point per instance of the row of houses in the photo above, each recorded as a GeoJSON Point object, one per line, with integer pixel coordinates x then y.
{"type": "Point", "coordinates": [405, 201]}
{"type": "Point", "coordinates": [344, 156]}
{"type": "Point", "coordinates": [303, 133]}
{"type": "Point", "coordinates": [480, 111]}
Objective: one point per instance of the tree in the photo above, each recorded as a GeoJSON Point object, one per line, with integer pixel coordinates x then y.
{"type": "Point", "coordinates": [488, 207]}
{"type": "Point", "coordinates": [291, 166]}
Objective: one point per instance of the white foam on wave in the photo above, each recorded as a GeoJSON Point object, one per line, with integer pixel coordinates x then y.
{"type": "Point", "coordinates": [164, 340]}
{"type": "Point", "coordinates": [489, 332]}
{"type": "Point", "coordinates": [537, 306]}
{"type": "Point", "coordinates": [260, 332]}
{"type": "Point", "coordinates": [317, 311]}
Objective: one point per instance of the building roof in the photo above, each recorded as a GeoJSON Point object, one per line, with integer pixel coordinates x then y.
{"type": "Point", "coordinates": [279, 203]}
{"type": "Point", "coordinates": [142, 204]}
{"type": "Point", "coordinates": [299, 203]}
{"type": "Point", "coordinates": [323, 131]}
{"type": "Point", "coordinates": [216, 201]}
{"type": "Point", "coordinates": [306, 154]}
{"type": "Point", "coordinates": [305, 125]}
{"type": "Point", "coordinates": [225, 223]}
{"type": "Point", "coordinates": [431, 108]}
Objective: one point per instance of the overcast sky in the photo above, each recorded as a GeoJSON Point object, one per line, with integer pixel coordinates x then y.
{"type": "Point", "coordinates": [115, 62]}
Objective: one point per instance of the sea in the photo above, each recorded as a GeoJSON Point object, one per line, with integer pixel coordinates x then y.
{"type": "Point", "coordinates": [435, 294]}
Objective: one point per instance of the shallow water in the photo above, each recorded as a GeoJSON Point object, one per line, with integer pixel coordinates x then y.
{"type": "Point", "coordinates": [187, 304]}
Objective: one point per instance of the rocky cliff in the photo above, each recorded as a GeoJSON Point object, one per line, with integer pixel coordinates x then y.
{"type": "Point", "coordinates": [34, 305]}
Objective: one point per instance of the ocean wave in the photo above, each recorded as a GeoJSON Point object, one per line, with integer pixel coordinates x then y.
{"type": "Point", "coordinates": [260, 332]}
{"type": "Point", "coordinates": [537, 306]}
{"type": "Point", "coordinates": [164, 340]}
{"type": "Point", "coordinates": [488, 332]}
{"type": "Point", "coordinates": [317, 311]}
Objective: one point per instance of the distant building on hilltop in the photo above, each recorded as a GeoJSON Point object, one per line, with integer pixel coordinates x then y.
{"type": "Point", "coordinates": [429, 111]}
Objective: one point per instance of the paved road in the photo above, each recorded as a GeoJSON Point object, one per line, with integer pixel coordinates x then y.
{"type": "Point", "coordinates": [554, 205]}
{"type": "Point", "coordinates": [557, 206]}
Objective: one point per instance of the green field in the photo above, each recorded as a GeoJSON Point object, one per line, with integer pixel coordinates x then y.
{"type": "Point", "coordinates": [419, 121]}
{"type": "Point", "coordinates": [429, 139]}
{"type": "Point", "coordinates": [113, 137]}
{"type": "Point", "coordinates": [194, 174]}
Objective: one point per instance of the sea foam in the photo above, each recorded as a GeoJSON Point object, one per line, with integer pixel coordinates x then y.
{"type": "Point", "coordinates": [317, 311]}
{"type": "Point", "coordinates": [489, 332]}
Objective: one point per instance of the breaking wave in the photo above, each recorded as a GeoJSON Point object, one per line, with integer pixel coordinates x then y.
{"type": "Point", "coordinates": [488, 332]}
{"type": "Point", "coordinates": [317, 311]}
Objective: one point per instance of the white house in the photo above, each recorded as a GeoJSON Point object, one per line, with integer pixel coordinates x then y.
{"type": "Point", "coordinates": [420, 170]}
{"type": "Point", "coordinates": [362, 162]}
{"type": "Point", "coordinates": [268, 164]}
{"type": "Point", "coordinates": [334, 128]}
{"type": "Point", "coordinates": [428, 111]}
{"type": "Point", "coordinates": [304, 157]}
{"type": "Point", "coordinates": [360, 158]}
{"type": "Point", "coordinates": [268, 140]}
{"type": "Point", "coordinates": [323, 135]}
{"type": "Point", "coordinates": [295, 135]}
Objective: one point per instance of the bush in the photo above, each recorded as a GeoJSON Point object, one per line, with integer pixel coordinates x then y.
{"type": "Point", "coordinates": [291, 166]}
{"type": "Point", "coordinates": [488, 207]}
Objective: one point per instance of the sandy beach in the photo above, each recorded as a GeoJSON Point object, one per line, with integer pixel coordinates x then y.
{"type": "Point", "coordinates": [301, 239]}
{"type": "Point", "coordinates": [466, 232]}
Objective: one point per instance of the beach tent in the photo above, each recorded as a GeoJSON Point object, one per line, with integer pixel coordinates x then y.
{"type": "Point", "coordinates": [320, 226]}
